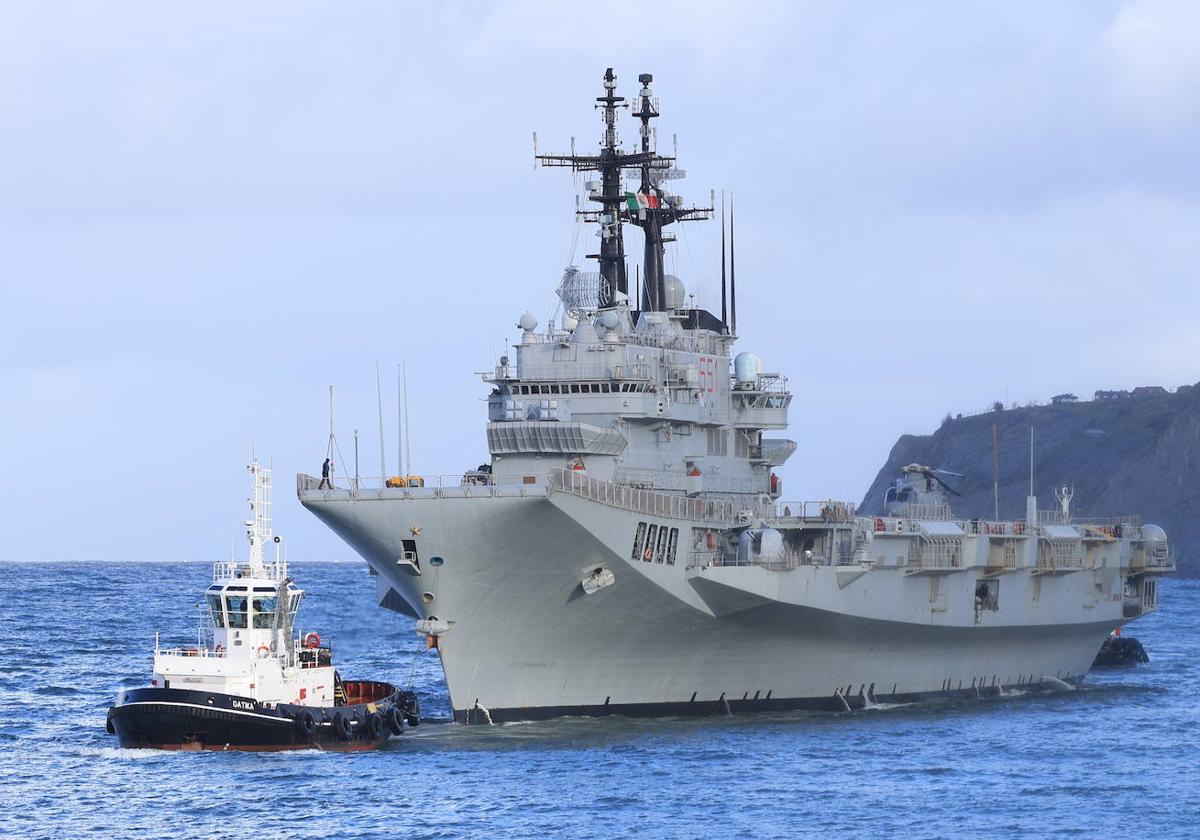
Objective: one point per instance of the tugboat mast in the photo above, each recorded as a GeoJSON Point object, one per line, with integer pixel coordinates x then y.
{"type": "Point", "coordinates": [646, 209]}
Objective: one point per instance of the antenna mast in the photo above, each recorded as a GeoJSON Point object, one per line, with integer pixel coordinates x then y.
{"type": "Point", "coordinates": [995, 474]}
{"type": "Point", "coordinates": [732, 275]}
{"type": "Point", "coordinates": [724, 313]}
{"type": "Point", "coordinates": [379, 402]}
{"type": "Point", "coordinates": [407, 428]}
{"type": "Point", "coordinates": [646, 209]}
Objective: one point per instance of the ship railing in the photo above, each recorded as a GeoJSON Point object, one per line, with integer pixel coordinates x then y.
{"type": "Point", "coordinates": [893, 525]}
{"type": "Point", "coordinates": [275, 570]}
{"type": "Point", "coordinates": [639, 500]}
{"type": "Point", "coordinates": [471, 484]}
{"type": "Point", "coordinates": [1160, 557]}
{"type": "Point", "coordinates": [712, 558]}
{"type": "Point", "coordinates": [935, 554]}
{"type": "Point", "coordinates": [703, 343]}
{"type": "Point", "coordinates": [1112, 525]}
{"type": "Point", "coordinates": [927, 512]}
{"type": "Point", "coordinates": [558, 378]}
{"type": "Point", "coordinates": [1059, 554]}
{"type": "Point", "coordinates": [765, 383]}
{"type": "Point", "coordinates": [1157, 558]}
{"type": "Point", "coordinates": [201, 652]}
{"type": "Point", "coordinates": [667, 480]}
{"type": "Point", "coordinates": [821, 510]}
{"type": "Point", "coordinates": [990, 528]}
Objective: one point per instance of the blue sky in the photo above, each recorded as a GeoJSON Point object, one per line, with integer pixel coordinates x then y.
{"type": "Point", "coordinates": [211, 212]}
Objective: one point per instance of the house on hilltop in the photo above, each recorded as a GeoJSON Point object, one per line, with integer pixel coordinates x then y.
{"type": "Point", "coordinates": [1148, 391]}
{"type": "Point", "coordinates": [1061, 399]}
{"type": "Point", "coordinates": [1112, 395]}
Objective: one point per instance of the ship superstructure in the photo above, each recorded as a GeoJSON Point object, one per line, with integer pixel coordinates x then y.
{"type": "Point", "coordinates": [626, 549]}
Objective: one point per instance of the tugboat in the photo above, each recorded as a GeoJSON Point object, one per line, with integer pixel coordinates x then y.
{"type": "Point", "coordinates": [252, 682]}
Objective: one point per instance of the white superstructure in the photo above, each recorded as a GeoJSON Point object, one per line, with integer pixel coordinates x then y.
{"type": "Point", "coordinates": [249, 646]}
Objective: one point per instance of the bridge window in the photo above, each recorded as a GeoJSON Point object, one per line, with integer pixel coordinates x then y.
{"type": "Point", "coordinates": [604, 388]}
{"type": "Point", "coordinates": [672, 542]}
{"type": "Point", "coordinates": [235, 607]}
{"type": "Point", "coordinates": [638, 539]}
{"type": "Point", "coordinates": [214, 607]}
{"type": "Point", "coordinates": [264, 613]}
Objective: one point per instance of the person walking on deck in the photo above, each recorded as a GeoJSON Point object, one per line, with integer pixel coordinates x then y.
{"type": "Point", "coordinates": [326, 469]}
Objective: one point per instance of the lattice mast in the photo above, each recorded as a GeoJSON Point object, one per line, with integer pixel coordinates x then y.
{"type": "Point", "coordinates": [611, 162]}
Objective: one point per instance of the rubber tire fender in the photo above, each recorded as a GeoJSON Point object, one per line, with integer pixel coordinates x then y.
{"type": "Point", "coordinates": [373, 726]}
{"type": "Point", "coordinates": [306, 724]}
{"type": "Point", "coordinates": [341, 726]}
{"type": "Point", "coordinates": [394, 719]}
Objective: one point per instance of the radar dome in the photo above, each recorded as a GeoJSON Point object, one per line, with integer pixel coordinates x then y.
{"type": "Point", "coordinates": [674, 292]}
{"type": "Point", "coordinates": [570, 323]}
{"type": "Point", "coordinates": [528, 322]}
{"type": "Point", "coordinates": [746, 368]}
{"type": "Point", "coordinates": [1153, 533]}
{"type": "Point", "coordinates": [609, 320]}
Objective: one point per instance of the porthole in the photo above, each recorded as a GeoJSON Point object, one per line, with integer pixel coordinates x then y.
{"type": "Point", "coordinates": [427, 597]}
{"type": "Point", "coordinates": [436, 561]}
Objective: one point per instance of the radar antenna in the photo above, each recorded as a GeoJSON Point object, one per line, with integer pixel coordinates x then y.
{"type": "Point", "coordinates": [651, 208]}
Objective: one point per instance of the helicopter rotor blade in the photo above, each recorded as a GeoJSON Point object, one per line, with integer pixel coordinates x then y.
{"type": "Point", "coordinates": [946, 486]}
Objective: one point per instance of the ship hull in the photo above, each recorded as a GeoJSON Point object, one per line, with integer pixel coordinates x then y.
{"type": "Point", "coordinates": [181, 719]}
{"type": "Point", "coordinates": [524, 640]}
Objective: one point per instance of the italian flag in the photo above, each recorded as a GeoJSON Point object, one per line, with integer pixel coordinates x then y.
{"type": "Point", "coordinates": [641, 201]}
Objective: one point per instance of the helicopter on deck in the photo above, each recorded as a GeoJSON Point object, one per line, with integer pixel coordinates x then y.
{"type": "Point", "coordinates": [918, 489]}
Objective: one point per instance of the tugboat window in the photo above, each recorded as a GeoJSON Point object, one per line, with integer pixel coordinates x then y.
{"type": "Point", "coordinates": [235, 606]}
{"type": "Point", "coordinates": [264, 613]}
{"type": "Point", "coordinates": [214, 606]}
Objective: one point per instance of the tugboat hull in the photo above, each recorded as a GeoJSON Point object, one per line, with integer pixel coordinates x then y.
{"type": "Point", "coordinates": [182, 719]}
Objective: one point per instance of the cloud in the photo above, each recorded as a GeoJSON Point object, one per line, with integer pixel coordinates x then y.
{"type": "Point", "coordinates": [1153, 52]}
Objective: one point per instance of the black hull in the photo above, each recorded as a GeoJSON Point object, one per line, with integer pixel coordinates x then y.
{"type": "Point", "coordinates": [738, 705]}
{"type": "Point", "coordinates": [181, 719]}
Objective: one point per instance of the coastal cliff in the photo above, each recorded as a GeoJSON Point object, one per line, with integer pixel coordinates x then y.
{"type": "Point", "coordinates": [1123, 452]}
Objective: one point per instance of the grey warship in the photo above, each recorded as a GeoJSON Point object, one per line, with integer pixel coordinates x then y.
{"type": "Point", "coordinates": [628, 550]}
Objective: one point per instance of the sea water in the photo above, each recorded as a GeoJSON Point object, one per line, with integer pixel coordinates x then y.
{"type": "Point", "coordinates": [1118, 757]}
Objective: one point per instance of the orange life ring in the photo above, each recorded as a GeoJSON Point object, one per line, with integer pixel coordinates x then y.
{"type": "Point", "coordinates": [880, 525]}
{"type": "Point", "coordinates": [710, 541]}
{"type": "Point", "coordinates": [263, 651]}
{"type": "Point", "coordinates": [647, 554]}
{"type": "Point", "coordinates": [312, 640]}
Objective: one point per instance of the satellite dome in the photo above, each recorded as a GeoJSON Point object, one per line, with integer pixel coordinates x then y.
{"type": "Point", "coordinates": [746, 368]}
{"type": "Point", "coordinates": [528, 322]}
{"type": "Point", "coordinates": [674, 292]}
{"type": "Point", "coordinates": [609, 320]}
{"type": "Point", "coordinates": [1153, 533]}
